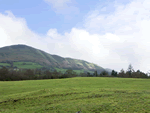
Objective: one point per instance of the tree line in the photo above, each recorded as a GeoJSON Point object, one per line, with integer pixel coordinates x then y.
{"type": "Point", "coordinates": [9, 74]}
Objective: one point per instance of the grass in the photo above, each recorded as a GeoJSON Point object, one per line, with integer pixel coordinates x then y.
{"type": "Point", "coordinates": [24, 65]}
{"type": "Point", "coordinates": [4, 64]}
{"type": "Point", "coordinates": [61, 70]}
{"type": "Point", "coordinates": [64, 70]}
{"type": "Point", "coordinates": [32, 65]}
{"type": "Point", "coordinates": [90, 94]}
{"type": "Point", "coordinates": [77, 71]}
{"type": "Point", "coordinates": [27, 65]}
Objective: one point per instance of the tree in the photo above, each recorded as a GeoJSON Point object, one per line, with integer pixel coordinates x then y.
{"type": "Point", "coordinates": [95, 73]}
{"type": "Point", "coordinates": [54, 74]}
{"type": "Point", "coordinates": [4, 74]}
{"type": "Point", "coordinates": [130, 70]}
{"type": "Point", "coordinates": [29, 73]}
{"type": "Point", "coordinates": [83, 74]}
{"type": "Point", "coordinates": [141, 74]}
{"type": "Point", "coordinates": [88, 74]}
{"type": "Point", "coordinates": [70, 73]}
{"type": "Point", "coordinates": [114, 73]}
{"type": "Point", "coordinates": [48, 75]}
{"type": "Point", "coordinates": [121, 73]}
{"type": "Point", "coordinates": [103, 73]}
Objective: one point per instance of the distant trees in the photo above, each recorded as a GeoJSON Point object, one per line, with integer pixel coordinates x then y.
{"type": "Point", "coordinates": [54, 74]}
{"type": "Point", "coordinates": [83, 74]}
{"type": "Point", "coordinates": [130, 73]}
{"type": "Point", "coordinates": [103, 74]}
{"type": "Point", "coordinates": [4, 74]}
{"type": "Point", "coordinates": [121, 73]}
{"type": "Point", "coordinates": [89, 75]}
{"type": "Point", "coordinates": [47, 75]}
{"type": "Point", "coordinates": [95, 73]}
{"type": "Point", "coordinates": [130, 70]}
{"type": "Point", "coordinates": [139, 74]}
{"type": "Point", "coordinates": [114, 73]}
{"type": "Point", "coordinates": [9, 74]}
{"type": "Point", "coordinates": [69, 73]}
{"type": "Point", "coordinates": [29, 73]}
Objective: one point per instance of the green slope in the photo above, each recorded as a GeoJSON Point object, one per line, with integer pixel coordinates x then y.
{"type": "Point", "coordinates": [24, 53]}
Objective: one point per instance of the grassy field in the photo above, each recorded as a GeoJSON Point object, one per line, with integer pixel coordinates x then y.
{"type": "Point", "coordinates": [77, 71]}
{"type": "Point", "coordinates": [24, 65]}
{"type": "Point", "coordinates": [4, 64]}
{"type": "Point", "coordinates": [90, 94]}
{"type": "Point", "coordinates": [32, 65]}
{"type": "Point", "coordinates": [27, 65]}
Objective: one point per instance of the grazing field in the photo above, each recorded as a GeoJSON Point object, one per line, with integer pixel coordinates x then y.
{"type": "Point", "coordinates": [4, 64]}
{"type": "Point", "coordinates": [27, 65]}
{"type": "Point", "coordinates": [90, 94]}
{"type": "Point", "coordinates": [23, 65]}
{"type": "Point", "coordinates": [77, 71]}
{"type": "Point", "coordinates": [32, 65]}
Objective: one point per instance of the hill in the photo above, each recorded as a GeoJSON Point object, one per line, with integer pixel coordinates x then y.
{"type": "Point", "coordinates": [25, 54]}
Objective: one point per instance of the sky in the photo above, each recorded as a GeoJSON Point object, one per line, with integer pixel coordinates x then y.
{"type": "Point", "coordinates": [109, 33]}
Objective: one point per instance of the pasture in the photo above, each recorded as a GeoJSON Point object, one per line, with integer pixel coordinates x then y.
{"type": "Point", "coordinates": [90, 94]}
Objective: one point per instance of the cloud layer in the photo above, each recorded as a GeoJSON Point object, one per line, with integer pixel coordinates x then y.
{"type": "Point", "coordinates": [109, 40]}
{"type": "Point", "coordinates": [130, 23]}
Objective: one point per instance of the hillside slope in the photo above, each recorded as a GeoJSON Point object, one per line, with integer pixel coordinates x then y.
{"type": "Point", "coordinates": [24, 53]}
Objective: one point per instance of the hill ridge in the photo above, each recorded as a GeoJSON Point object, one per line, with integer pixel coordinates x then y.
{"type": "Point", "coordinates": [22, 52]}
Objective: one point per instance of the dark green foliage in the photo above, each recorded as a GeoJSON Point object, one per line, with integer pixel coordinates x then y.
{"type": "Point", "coordinates": [104, 74]}
{"type": "Point", "coordinates": [10, 74]}
{"type": "Point", "coordinates": [47, 75]}
{"type": "Point", "coordinates": [83, 75]}
{"type": "Point", "coordinates": [4, 74]}
{"type": "Point", "coordinates": [29, 73]}
{"type": "Point", "coordinates": [132, 74]}
{"type": "Point", "coordinates": [13, 74]}
{"type": "Point", "coordinates": [96, 73]}
{"type": "Point", "coordinates": [114, 73]}
{"type": "Point", "coordinates": [70, 73]}
{"type": "Point", "coordinates": [89, 75]}
{"type": "Point", "coordinates": [130, 70]}
{"type": "Point", "coordinates": [121, 73]}
{"type": "Point", "coordinates": [139, 74]}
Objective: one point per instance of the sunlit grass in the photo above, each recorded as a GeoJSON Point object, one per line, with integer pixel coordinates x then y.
{"type": "Point", "coordinates": [77, 71]}
{"type": "Point", "coordinates": [90, 94]}
{"type": "Point", "coordinates": [4, 64]}
{"type": "Point", "coordinates": [27, 65]}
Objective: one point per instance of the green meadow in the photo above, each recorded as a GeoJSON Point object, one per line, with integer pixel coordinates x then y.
{"type": "Point", "coordinates": [88, 94]}
{"type": "Point", "coordinates": [23, 65]}
{"type": "Point", "coordinates": [27, 65]}
{"type": "Point", "coordinates": [77, 71]}
{"type": "Point", "coordinates": [4, 64]}
{"type": "Point", "coordinates": [32, 65]}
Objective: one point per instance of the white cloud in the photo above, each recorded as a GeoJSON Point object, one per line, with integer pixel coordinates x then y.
{"type": "Point", "coordinates": [15, 31]}
{"type": "Point", "coordinates": [130, 25]}
{"type": "Point", "coordinates": [54, 34]}
{"type": "Point", "coordinates": [63, 6]}
{"type": "Point", "coordinates": [109, 40]}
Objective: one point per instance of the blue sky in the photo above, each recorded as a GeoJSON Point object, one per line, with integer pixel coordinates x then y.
{"type": "Point", "coordinates": [40, 16]}
{"type": "Point", "coordinates": [109, 33]}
